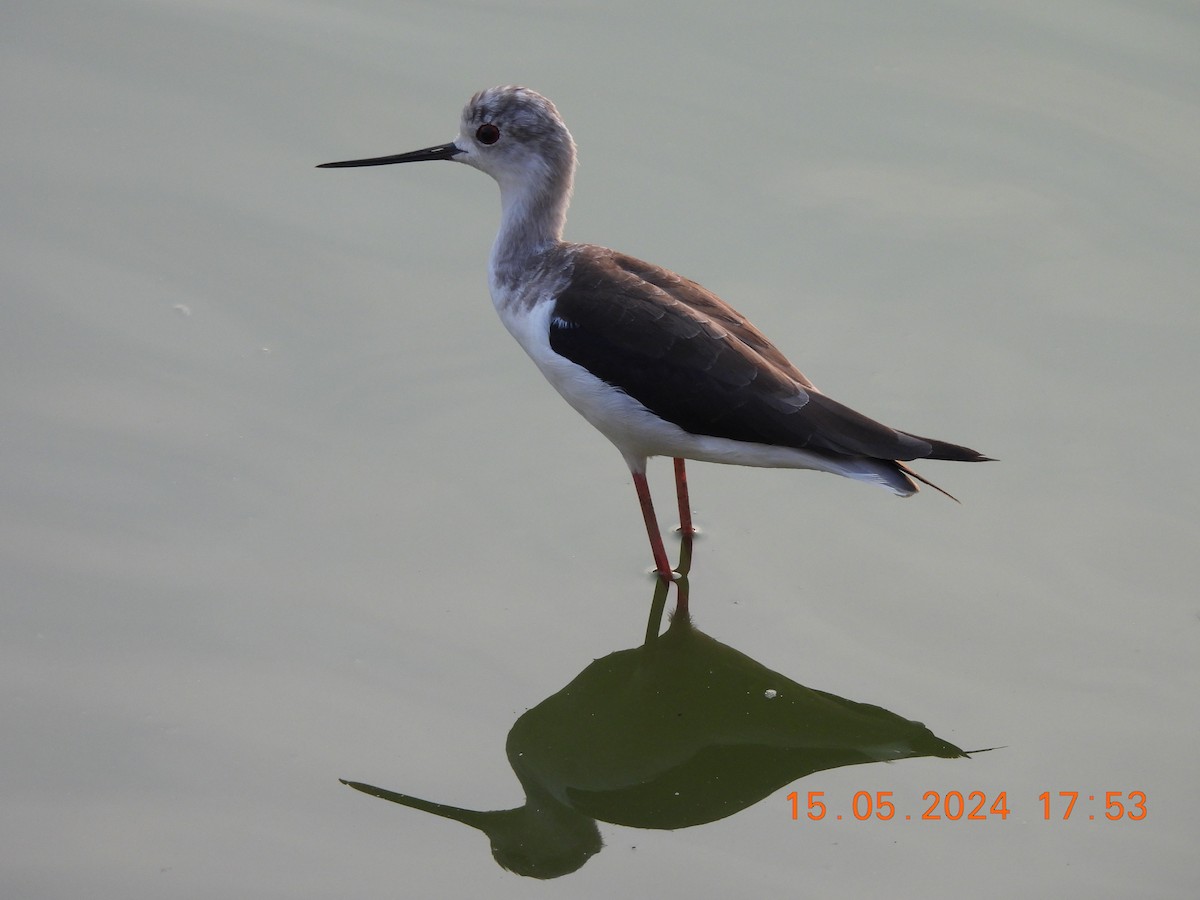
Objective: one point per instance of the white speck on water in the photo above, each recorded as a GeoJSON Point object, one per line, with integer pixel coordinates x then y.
{"type": "Point", "coordinates": [770, 693]}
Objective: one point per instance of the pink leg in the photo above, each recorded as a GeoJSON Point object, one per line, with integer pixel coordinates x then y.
{"type": "Point", "coordinates": [681, 493]}
{"type": "Point", "coordinates": [661, 564]}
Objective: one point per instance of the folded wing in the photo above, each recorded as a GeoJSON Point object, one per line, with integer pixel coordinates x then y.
{"type": "Point", "coordinates": [693, 360]}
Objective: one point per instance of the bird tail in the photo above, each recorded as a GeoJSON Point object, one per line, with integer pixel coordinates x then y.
{"type": "Point", "coordinates": [909, 475]}
{"type": "Point", "coordinates": [941, 450]}
{"type": "Point", "coordinates": [893, 475]}
{"type": "Point", "coordinates": [946, 450]}
{"type": "Point", "coordinates": [896, 475]}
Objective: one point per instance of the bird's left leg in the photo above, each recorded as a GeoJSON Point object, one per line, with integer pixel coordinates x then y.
{"type": "Point", "coordinates": [681, 494]}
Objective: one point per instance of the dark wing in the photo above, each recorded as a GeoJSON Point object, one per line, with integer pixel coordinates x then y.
{"type": "Point", "coordinates": [691, 359]}
{"type": "Point", "coordinates": [708, 304]}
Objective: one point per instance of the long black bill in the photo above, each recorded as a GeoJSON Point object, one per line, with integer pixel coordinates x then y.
{"type": "Point", "coordinates": [441, 151]}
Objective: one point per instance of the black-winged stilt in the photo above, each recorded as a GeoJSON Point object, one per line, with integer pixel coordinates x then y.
{"type": "Point", "coordinates": [661, 366]}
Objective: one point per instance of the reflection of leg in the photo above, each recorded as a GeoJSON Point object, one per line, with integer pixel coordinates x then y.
{"type": "Point", "coordinates": [658, 605]}
{"type": "Point", "coordinates": [685, 555]}
{"type": "Point", "coordinates": [681, 595]}
{"type": "Point", "coordinates": [681, 493]}
{"type": "Point", "coordinates": [661, 565]}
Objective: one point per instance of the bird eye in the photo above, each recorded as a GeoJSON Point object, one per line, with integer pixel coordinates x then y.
{"type": "Point", "coordinates": [487, 133]}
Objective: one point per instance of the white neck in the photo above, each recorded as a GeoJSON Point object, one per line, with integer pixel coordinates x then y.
{"type": "Point", "coordinates": [533, 212]}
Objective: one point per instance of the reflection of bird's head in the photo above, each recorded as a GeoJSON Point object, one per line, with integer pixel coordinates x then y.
{"type": "Point", "coordinates": [546, 846]}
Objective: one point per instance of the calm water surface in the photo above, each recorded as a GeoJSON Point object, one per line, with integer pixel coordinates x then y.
{"type": "Point", "coordinates": [283, 504]}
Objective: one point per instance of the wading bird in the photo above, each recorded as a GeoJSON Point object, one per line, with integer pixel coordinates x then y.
{"type": "Point", "coordinates": [661, 366]}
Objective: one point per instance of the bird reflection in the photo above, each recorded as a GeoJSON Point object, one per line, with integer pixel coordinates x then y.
{"type": "Point", "coordinates": [680, 731]}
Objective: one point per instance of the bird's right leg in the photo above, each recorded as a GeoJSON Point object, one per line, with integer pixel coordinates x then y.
{"type": "Point", "coordinates": [661, 564]}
